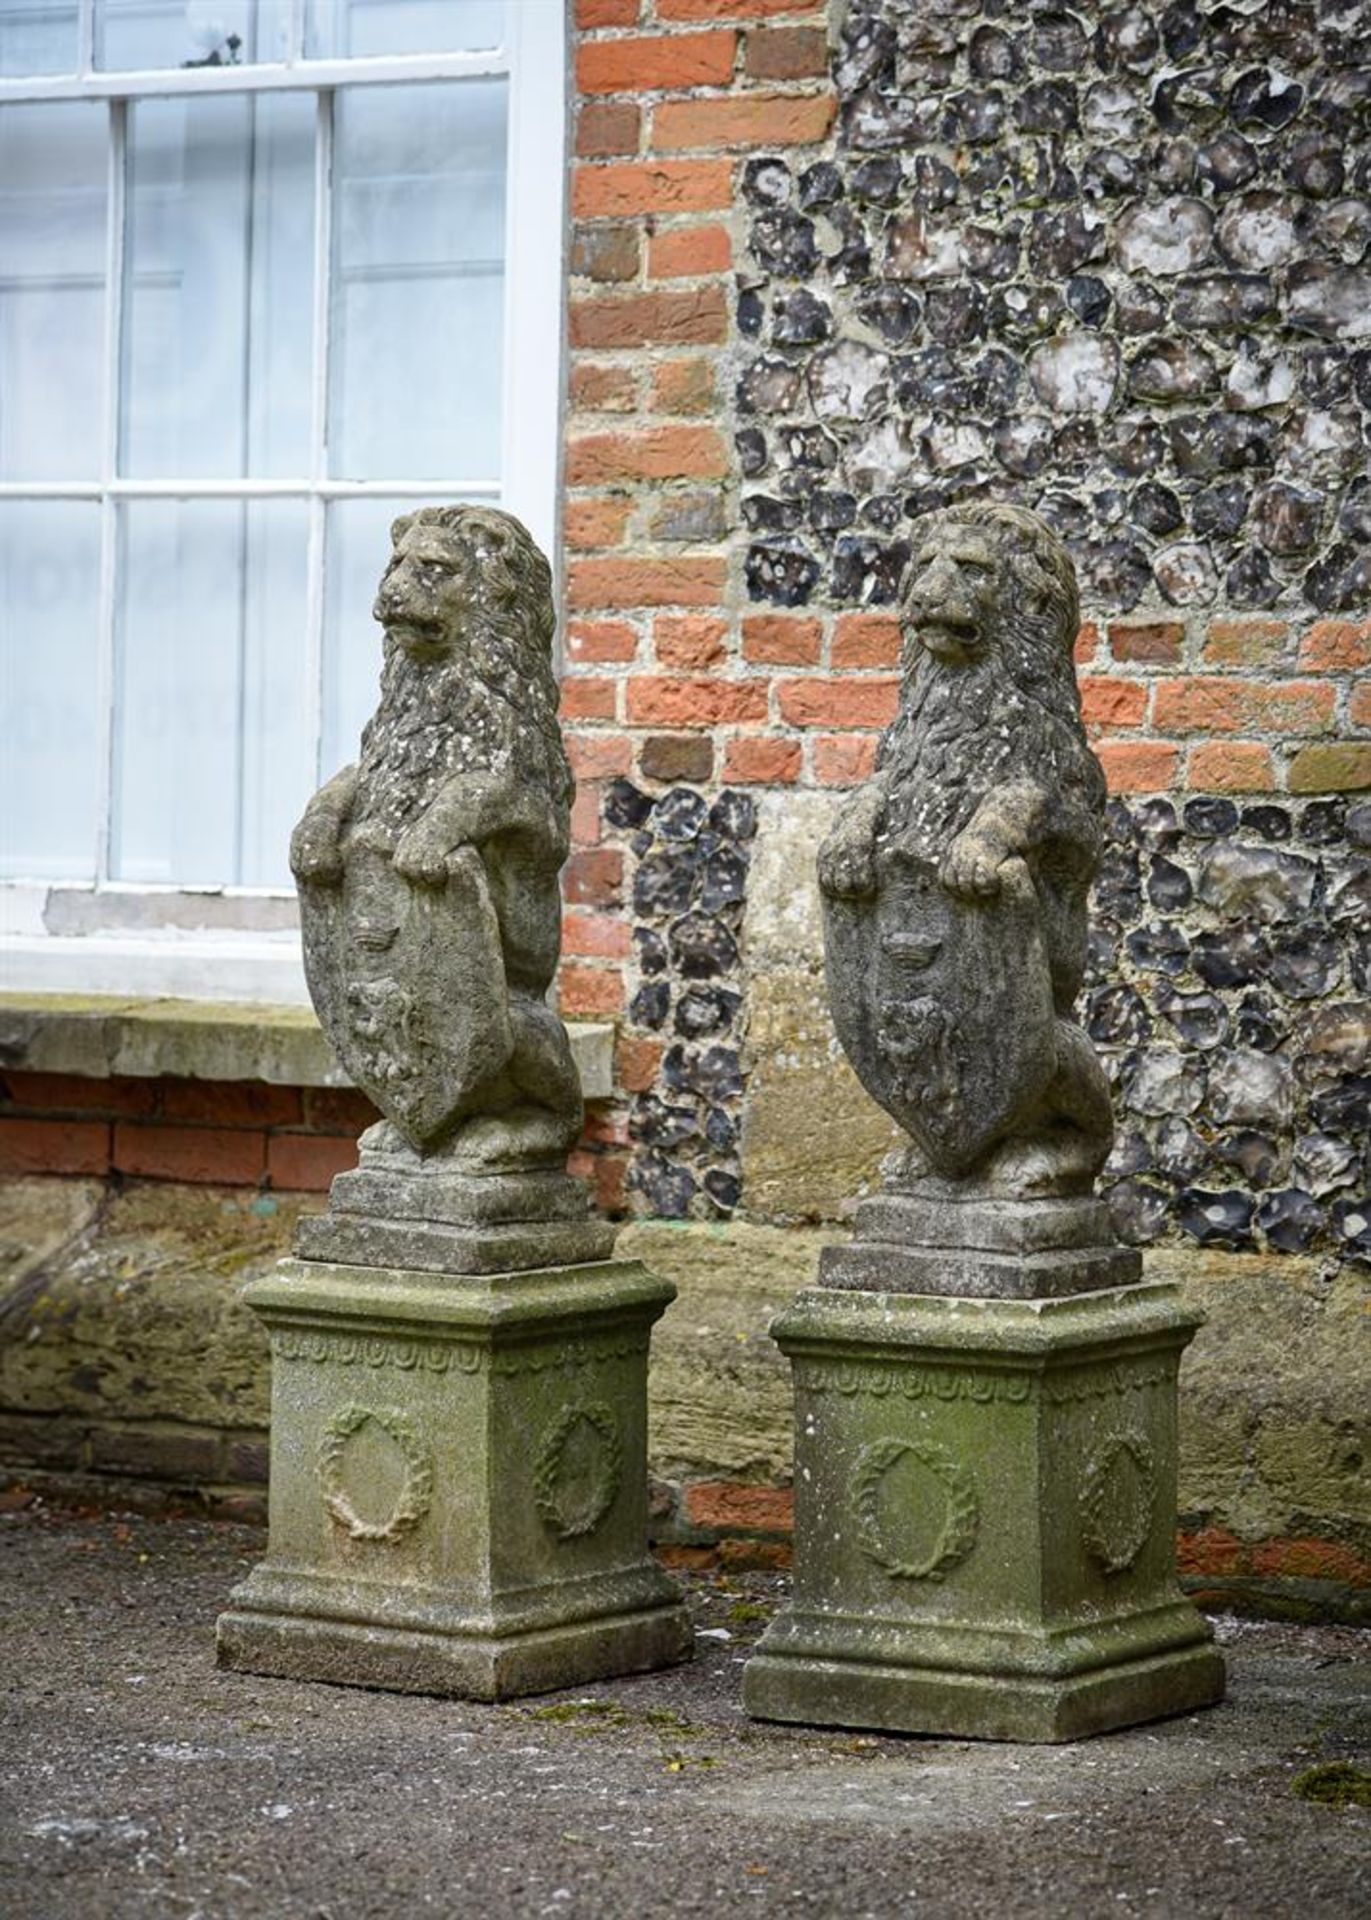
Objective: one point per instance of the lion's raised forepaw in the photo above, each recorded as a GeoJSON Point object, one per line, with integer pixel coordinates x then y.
{"type": "Point", "coordinates": [315, 854]}
{"type": "Point", "coordinates": [421, 858]}
{"type": "Point", "coordinates": [971, 868]}
{"type": "Point", "coordinates": [846, 869]}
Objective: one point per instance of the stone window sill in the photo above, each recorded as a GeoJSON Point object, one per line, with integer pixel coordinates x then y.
{"type": "Point", "coordinates": [104, 1036]}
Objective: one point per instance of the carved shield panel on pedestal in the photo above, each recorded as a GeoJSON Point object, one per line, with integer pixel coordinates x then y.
{"type": "Point", "coordinates": [409, 984]}
{"type": "Point", "coordinates": [944, 1006]}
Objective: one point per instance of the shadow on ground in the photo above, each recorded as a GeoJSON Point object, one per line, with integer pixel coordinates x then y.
{"type": "Point", "coordinates": [135, 1779]}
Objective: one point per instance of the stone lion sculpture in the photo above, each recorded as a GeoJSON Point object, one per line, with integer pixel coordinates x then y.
{"type": "Point", "coordinates": [955, 879]}
{"type": "Point", "coordinates": [428, 872]}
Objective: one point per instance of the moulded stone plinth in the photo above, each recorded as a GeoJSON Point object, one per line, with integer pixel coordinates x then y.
{"type": "Point", "coordinates": [1002, 1248]}
{"type": "Point", "coordinates": [458, 1482]}
{"type": "Point", "coordinates": [985, 1514]}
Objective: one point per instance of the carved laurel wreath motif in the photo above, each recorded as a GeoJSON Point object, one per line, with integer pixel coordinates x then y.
{"type": "Point", "coordinates": [571, 1511]}
{"type": "Point", "coordinates": [1114, 1526]}
{"type": "Point", "coordinates": [961, 1510]}
{"type": "Point", "coordinates": [416, 1493]}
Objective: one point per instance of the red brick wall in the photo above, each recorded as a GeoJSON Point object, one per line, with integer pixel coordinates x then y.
{"type": "Point", "coordinates": [208, 1132]}
{"type": "Point", "coordinates": [668, 678]}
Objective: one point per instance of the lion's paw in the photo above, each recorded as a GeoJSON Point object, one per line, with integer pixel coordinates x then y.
{"type": "Point", "coordinates": [971, 868]}
{"type": "Point", "coordinates": [846, 869]}
{"type": "Point", "coordinates": [420, 858]}
{"type": "Point", "coordinates": [315, 855]}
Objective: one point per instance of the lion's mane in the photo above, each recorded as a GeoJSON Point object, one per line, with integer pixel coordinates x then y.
{"type": "Point", "coordinates": [1015, 714]}
{"type": "Point", "coordinates": [491, 701]}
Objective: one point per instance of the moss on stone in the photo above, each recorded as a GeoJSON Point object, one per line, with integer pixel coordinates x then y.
{"type": "Point", "coordinates": [1334, 1783]}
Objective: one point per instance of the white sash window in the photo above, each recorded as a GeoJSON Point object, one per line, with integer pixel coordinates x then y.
{"type": "Point", "coordinates": [271, 272]}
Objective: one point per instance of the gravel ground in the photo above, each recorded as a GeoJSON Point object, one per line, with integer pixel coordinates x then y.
{"type": "Point", "coordinates": [135, 1779]}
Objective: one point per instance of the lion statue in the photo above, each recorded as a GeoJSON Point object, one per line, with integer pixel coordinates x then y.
{"type": "Point", "coordinates": [985, 784]}
{"type": "Point", "coordinates": [447, 838]}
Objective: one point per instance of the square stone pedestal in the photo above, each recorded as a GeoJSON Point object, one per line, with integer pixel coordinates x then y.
{"type": "Point", "coordinates": [458, 1482]}
{"type": "Point", "coordinates": [985, 1518]}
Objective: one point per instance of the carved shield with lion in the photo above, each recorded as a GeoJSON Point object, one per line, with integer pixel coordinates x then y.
{"type": "Point", "coordinates": [944, 1006]}
{"type": "Point", "coordinates": [409, 984]}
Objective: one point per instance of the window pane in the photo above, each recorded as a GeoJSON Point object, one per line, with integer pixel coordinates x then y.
{"type": "Point", "coordinates": [53, 162]}
{"type": "Point", "coordinates": [348, 29]}
{"type": "Point", "coordinates": [49, 594]}
{"type": "Point", "coordinates": [213, 757]}
{"type": "Point", "coordinates": [218, 288]}
{"type": "Point", "coordinates": [187, 33]}
{"type": "Point", "coordinates": [418, 285]}
{"type": "Point", "coordinates": [37, 36]}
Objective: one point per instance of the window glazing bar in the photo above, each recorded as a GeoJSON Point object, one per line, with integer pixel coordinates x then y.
{"type": "Point", "coordinates": [107, 666]}
{"type": "Point", "coordinates": [248, 489]}
{"type": "Point", "coordinates": [316, 552]}
{"type": "Point", "coordinates": [388, 71]}
{"type": "Point", "coordinates": [295, 32]}
{"type": "Point", "coordinates": [85, 37]}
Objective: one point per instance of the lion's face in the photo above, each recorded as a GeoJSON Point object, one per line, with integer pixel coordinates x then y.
{"type": "Point", "coordinates": [426, 592]}
{"type": "Point", "coordinates": [952, 603]}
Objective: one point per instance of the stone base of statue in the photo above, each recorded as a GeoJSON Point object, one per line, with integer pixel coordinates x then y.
{"type": "Point", "coordinates": [399, 1208]}
{"type": "Point", "coordinates": [458, 1479]}
{"type": "Point", "coordinates": [985, 1508]}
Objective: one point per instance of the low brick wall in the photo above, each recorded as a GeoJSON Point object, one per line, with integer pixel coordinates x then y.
{"type": "Point", "coordinates": [231, 1133]}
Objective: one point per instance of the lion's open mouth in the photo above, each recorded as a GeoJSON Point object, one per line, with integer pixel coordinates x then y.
{"type": "Point", "coordinates": [417, 635]}
{"type": "Point", "coordinates": [949, 637]}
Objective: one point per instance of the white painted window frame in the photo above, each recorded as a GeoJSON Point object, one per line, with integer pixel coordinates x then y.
{"type": "Point", "coordinates": [266, 965]}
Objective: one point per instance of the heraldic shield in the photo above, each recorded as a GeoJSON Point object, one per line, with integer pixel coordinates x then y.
{"type": "Point", "coordinates": [951, 1025]}
{"type": "Point", "coordinates": [380, 956]}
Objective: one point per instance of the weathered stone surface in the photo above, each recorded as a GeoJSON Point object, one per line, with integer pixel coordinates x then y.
{"type": "Point", "coordinates": [428, 872]}
{"type": "Point", "coordinates": [954, 881]}
{"type": "Point", "coordinates": [983, 1515]}
{"type": "Point", "coordinates": [689, 890]}
{"type": "Point", "coordinates": [721, 1403]}
{"type": "Point", "coordinates": [123, 1311]}
{"type": "Point", "coordinates": [1078, 374]}
{"type": "Point", "coordinates": [812, 1138]}
{"type": "Point", "coordinates": [459, 1483]}
{"type": "Point", "coordinates": [1273, 1424]}
{"type": "Point", "coordinates": [1170, 236]}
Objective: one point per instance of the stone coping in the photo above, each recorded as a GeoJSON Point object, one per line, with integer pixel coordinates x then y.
{"type": "Point", "coordinates": [103, 1036]}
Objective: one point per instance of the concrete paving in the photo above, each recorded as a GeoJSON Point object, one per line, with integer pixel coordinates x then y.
{"type": "Point", "coordinates": [135, 1779]}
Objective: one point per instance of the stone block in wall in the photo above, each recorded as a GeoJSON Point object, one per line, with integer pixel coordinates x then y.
{"type": "Point", "coordinates": [812, 1137]}
{"type": "Point", "coordinates": [122, 1307]}
{"type": "Point", "coordinates": [719, 1397]}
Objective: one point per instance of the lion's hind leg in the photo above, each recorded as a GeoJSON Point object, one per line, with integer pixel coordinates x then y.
{"type": "Point", "coordinates": [1063, 1151]}
{"type": "Point", "coordinates": [538, 1118]}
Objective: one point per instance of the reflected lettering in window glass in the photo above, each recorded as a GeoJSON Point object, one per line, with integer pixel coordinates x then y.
{"type": "Point", "coordinates": [49, 718]}
{"type": "Point", "coordinates": [53, 173]}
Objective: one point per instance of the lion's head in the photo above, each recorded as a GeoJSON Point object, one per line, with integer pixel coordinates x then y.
{"type": "Point", "coordinates": [466, 603]}
{"type": "Point", "coordinates": [990, 583]}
